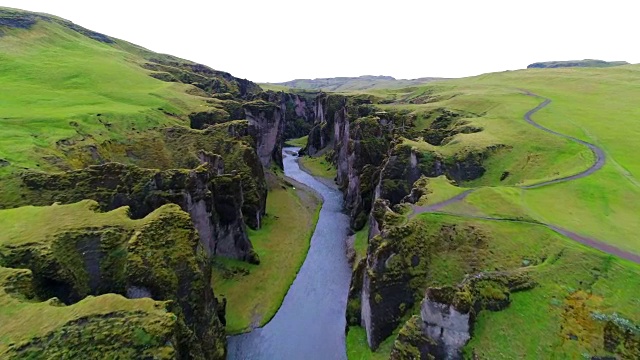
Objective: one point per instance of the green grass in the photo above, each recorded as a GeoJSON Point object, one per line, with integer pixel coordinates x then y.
{"type": "Point", "coordinates": [498, 202]}
{"type": "Point", "coordinates": [592, 104]}
{"type": "Point", "coordinates": [570, 289]}
{"type": "Point", "coordinates": [441, 189]}
{"type": "Point", "coordinates": [347, 84]}
{"type": "Point", "coordinates": [17, 224]}
{"type": "Point", "coordinates": [274, 87]}
{"type": "Point", "coordinates": [64, 85]}
{"type": "Point", "coordinates": [358, 349]}
{"type": "Point", "coordinates": [361, 242]}
{"type": "Point", "coordinates": [255, 295]}
{"type": "Point", "coordinates": [568, 275]}
{"type": "Point", "coordinates": [319, 166]}
{"type": "Point", "coordinates": [299, 142]}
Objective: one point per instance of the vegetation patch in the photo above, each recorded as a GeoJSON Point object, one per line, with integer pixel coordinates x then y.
{"type": "Point", "coordinates": [299, 142]}
{"type": "Point", "coordinates": [81, 254]}
{"type": "Point", "coordinates": [318, 166]}
{"type": "Point", "coordinates": [254, 293]}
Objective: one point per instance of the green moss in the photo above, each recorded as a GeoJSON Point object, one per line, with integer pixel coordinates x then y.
{"type": "Point", "coordinates": [88, 253]}
{"type": "Point", "coordinates": [411, 341]}
{"type": "Point", "coordinates": [358, 349]}
{"type": "Point", "coordinates": [254, 293]}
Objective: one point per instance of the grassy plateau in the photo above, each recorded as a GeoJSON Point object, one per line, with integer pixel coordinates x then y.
{"type": "Point", "coordinates": [576, 284]}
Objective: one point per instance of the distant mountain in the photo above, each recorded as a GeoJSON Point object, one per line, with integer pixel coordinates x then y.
{"type": "Point", "coordinates": [576, 63]}
{"type": "Point", "coordinates": [365, 82]}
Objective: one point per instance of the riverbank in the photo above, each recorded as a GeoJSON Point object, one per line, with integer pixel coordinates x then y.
{"type": "Point", "coordinates": [321, 169]}
{"type": "Point", "coordinates": [311, 322]}
{"type": "Point", "coordinates": [255, 292]}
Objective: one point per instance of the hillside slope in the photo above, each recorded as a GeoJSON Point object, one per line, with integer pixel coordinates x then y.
{"type": "Point", "coordinates": [576, 63]}
{"type": "Point", "coordinates": [480, 267]}
{"type": "Point", "coordinates": [86, 91]}
{"type": "Point", "coordinates": [123, 174]}
{"type": "Point", "coordinates": [342, 84]}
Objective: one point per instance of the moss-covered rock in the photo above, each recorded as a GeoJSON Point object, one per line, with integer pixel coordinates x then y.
{"type": "Point", "coordinates": [622, 338]}
{"type": "Point", "coordinates": [412, 343]}
{"type": "Point", "coordinates": [448, 315]}
{"type": "Point", "coordinates": [445, 124]}
{"type": "Point", "coordinates": [157, 257]}
{"type": "Point", "coordinates": [209, 80]}
{"type": "Point", "coordinates": [216, 210]}
{"type": "Point", "coordinates": [202, 119]}
{"type": "Point", "coordinates": [404, 259]}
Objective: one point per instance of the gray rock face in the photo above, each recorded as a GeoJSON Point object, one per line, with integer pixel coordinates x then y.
{"type": "Point", "coordinates": [213, 201]}
{"type": "Point", "coordinates": [266, 123]}
{"type": "Point", "coordinates": [138, 292]}
{"type": "Point", "coordinates": [382, 300]}
{"type": "Point", "coordinates": [447, 326]}
{"type": "Point", "coordinates": [365, 314]}
{"type": "Point", "coordinates": [300, 114]}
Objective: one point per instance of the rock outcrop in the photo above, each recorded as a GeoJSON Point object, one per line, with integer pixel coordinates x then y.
{"type": "Point", "coordinates": [377, 169]}
{"type": "Point", "coordinates": [447, 315]}
{"type": "Point", "coordinates": [213, 200]}
{"type": "Point", "coordinates": [160, 257]}
{"type": "Point", "coordinates": [300, 114]}
{"type": "Point", "coordinates": [266, 120]}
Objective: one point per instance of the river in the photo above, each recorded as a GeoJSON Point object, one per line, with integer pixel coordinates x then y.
{"type": "Point", "coordinates": [310, 324]}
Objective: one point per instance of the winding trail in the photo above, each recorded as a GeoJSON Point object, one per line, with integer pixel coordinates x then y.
{"type": "Point", "coordinates": [597, 165]}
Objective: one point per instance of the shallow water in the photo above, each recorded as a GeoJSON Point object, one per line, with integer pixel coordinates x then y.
{"type": "Point", "coordinates": [310, 324]}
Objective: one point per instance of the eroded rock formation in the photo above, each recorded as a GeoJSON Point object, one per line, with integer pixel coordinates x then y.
{"type": "Point", "coordinates": [160, 257]}
{"type": "Point", "coordinates": [212, 199]}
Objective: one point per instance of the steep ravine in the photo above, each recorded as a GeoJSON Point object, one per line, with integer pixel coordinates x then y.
{"type": "Point", "coordinates": [310, 323]}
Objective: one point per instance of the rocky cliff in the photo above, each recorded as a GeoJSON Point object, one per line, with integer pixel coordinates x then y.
{"type": "Point", "coordinates": [86, 254]}
{"type": "Point", "coordinates": [185, 160]}
{"type": "Point", "coordinates": [378, 171]}
{"type": "Point", "coordinates": [447, 315]}
{"type": "Point", "coordinates": [213, 200]}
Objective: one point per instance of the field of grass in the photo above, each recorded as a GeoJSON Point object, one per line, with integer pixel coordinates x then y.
{"type": "Point", "coordinates": [593, 104]}
{"type": "Point", "coordinates": [299, 142]}
{"type": "Point", "coordinates": [358, 349]}
{"type": "Point", "coordinates": [66, 86]}
{"type": "Point", "coordinates": [319, 166]}
{"type": "Point", "coordinates": [348, 84]}
{"type": "Point", "coordinates": [497, 202]}
{"type": "Point", "coordinates": [274, 87]}
{"type": "Point", "coordinates": [441, 189]}
{"type": "Point", "coordinates": [17, 224]}
{"type": "Point", "coordinates": [255, 292]}
{"type": "Point", "coordinates": [573, 282]}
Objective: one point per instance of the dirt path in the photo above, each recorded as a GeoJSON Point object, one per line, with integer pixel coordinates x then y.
{"type": "Point", "coordinates": [597, 165]}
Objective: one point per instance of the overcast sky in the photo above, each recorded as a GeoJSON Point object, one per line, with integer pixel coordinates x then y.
{"type": "Point", "coordinates": [278, 40]}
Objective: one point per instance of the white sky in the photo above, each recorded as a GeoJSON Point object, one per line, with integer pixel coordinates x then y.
{"type": "Point", "coordinates": [280, 40]}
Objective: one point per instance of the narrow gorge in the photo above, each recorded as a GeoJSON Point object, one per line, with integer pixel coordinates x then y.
{"type": "Point", "coordinates": [152, 207]}
{"type": "Point", "coordinates": [310, 323]}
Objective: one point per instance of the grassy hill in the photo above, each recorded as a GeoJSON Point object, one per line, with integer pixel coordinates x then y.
{"type": "Point", "coordinates": [578, 288]}
{"type": "Point", "coordinates": [594, 105]}
{"type": "Point", "coordinates": [67, 88]}
{"type": "Point", "coordinates": [73, 98]}
{"type": "Point", "coordinates": [576, 63]}
{"type": "Point", "coordinates": [342, 84]}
